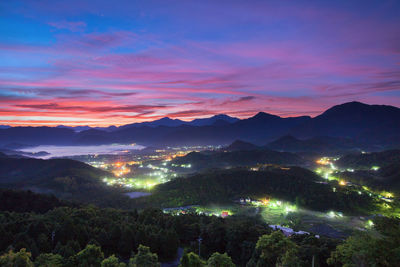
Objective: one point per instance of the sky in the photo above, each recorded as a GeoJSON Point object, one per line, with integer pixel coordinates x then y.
{"type": "Point", "coordinates": [105, 63]}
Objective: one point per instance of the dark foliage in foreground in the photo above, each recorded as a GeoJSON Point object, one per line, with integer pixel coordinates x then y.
{"type": "Point", "coordinates": [66, 231]}
{"type": "Point", "coordinates": [91, 236]}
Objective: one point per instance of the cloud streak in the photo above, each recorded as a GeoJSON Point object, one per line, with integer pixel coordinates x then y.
{"type": "Point", "coordinates": [73, 26]}
{"type": "Point", "coordinates": [133, 62]}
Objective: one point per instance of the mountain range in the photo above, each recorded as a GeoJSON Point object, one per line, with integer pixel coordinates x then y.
{"type": "Point", "coordinates": [352, 123]}
{"type": "Point", "coordinates": [166, 121]}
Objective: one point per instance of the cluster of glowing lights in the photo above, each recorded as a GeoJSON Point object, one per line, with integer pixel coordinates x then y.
{"type": "Point", "coordinates": [158, 176]}
{"type": "Point", "coordinates": [325, 173]}
{"type": "Point", "coordinates": [207, 211]}
{"type": "Point", "coordinates": [170, 156]}
{"type": "Point", "coordinates": [387, 194]}
{"type": "Point", "coordinates": [120, 169]}
{"type": "Point", "coordinates": [182, 165]}
{"type": "Point", "coordinates": [327, 168]}
{"type": "Point", "coordinates": [290, 209]}
{"type": "Point", "coordinates": [366, 188]}
{"type": "Point", "coordinates": [96, 164]}
{"type": "Point", "coordinates": [334, 214]}
{"type": "Point", "coordinates": [223, 213]}
{"type": "Point", "coordinates": [138, 183]}
{"type": "Point", "coordinates": [384, 195]}
{"type": "Point", "coordinates": [274, 204]}
{"type": "Point", "coordinates": [323, 161]}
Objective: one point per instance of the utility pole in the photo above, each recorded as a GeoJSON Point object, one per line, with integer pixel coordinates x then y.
{"type": "Point", "coordinates": [53, 234]}
{"type": "Point", "coordinates": [313, 260]}
{"type": "Point", "coordinates": [199, 240]}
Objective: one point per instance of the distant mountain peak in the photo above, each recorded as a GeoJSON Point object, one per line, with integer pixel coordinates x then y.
{"type": "Point", "coordinates": [367, 123]}
{"type": "Point", "coordinates": [353, 103]}
{"type": "Point", "coordinates": [261, 114]}
{"type": "Point", "coordinates": [348, 105]}
{"type": "Point", "coordinates": [221, 116]}
{"type": "Point", "coordinates": [166, 119]}
{"type": "Point", "coordinates": [264, 115]}
{"type": "Point", "coordinates": [241, 145]}
{"type": "Point", "coordinates": [356, 107]}
{"type": "Point", "coordinates": [219, 119]}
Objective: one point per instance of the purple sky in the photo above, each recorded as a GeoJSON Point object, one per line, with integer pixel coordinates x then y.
{"type": "Point", "coordinates": [117, 62]}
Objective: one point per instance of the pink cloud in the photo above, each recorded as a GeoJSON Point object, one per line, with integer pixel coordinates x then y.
{"type": "Point", "coordinates": [324, 60]}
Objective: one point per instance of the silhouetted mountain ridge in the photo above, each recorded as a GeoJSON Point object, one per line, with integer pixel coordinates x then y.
{"type": "Point", "coordinates": [241, 145]}
{"type": "Point", "coordinates": [237, 158]}
{"type": "Point", "coordinates": [366, 123]}
{"type": "Point", "coordinates": [314, 144]}
{"type": "Point", "coordinates": [376, 125]}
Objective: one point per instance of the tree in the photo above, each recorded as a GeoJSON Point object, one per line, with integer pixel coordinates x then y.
{"type": "Point", "coordinates": [20, 259]}
{"type": "Point", "coordinates": [65, 251]}
{"type": "Point", "coordinates": [220, 260]}
{"type": "Point", "coordinates": [311, 247]}
{"type": "Point", "coordinates": [144, 258]}
{"type": "Point", "coordinates": [358, 250]}
{"type": "Point", "coordinates": [289, 259]}
{"type": "Point", "coordinates": [191, 260]}
{"type": "Point", "coordinates": [112, 261]}
{"type": "Point", "coordinates": [275, 249]}
{"type": "Point", "coordinates": [126, 242]}
{"type": "Point", "coordinates": [49, 260]}
{"type": "Point", "coordinates": [90, 256]}
{"type": "Point", "coordinates": [43, 243]}
{"type": "Point", "coordinates": [368, 249]}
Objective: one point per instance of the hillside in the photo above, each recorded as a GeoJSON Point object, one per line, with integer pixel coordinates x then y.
{"type": "Point", "coordinates": [387, 178]}
{"type": "Point", "coordinates": [27, 201]}
{"type": "Point", "coordinates": [378, 170]}
{"type": "Point", "coordinates": [378, 124]}
{"type": "Point", "coordinates": [316, 144]}
{"type": "Point", "coordinates": [295, 184]}
{"type": "Point", "coordinates": [368, 160]}
{"type": "Point", "coordinates": [241, 145]}
{"type": "Point", "coordinates": [229, 159]}
{"type": "Point", "coordinates": [67, 179]}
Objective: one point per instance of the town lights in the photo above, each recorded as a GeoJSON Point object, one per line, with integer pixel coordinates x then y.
{"type": "Point", "coordinates": [387, 194]}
